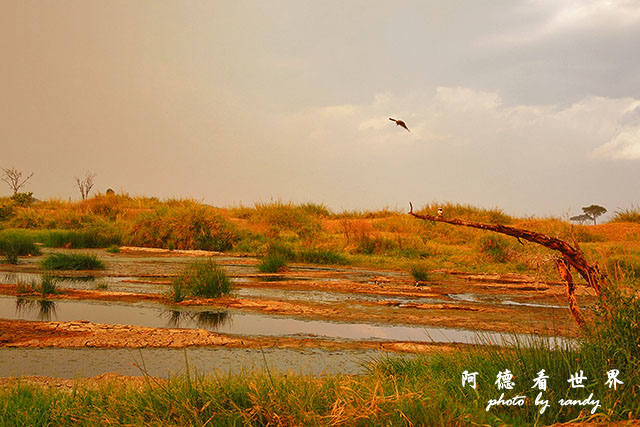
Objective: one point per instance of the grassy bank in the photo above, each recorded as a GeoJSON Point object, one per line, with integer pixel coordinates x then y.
{"type": "Point", "coordinates": [311, 233]}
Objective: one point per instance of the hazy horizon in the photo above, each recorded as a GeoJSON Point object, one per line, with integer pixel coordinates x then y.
{"type": "Point", "coordinates": [532, 107]}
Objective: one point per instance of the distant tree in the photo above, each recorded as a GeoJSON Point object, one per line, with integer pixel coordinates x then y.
{"type": "Point", "coordinates": [13, 177]}
{"type": "Point", "coordinates": [594, 211]}
{"type": "Point", "coordinates": [581, 218]}
{"type": "Point", "coordinates": [85, 184]}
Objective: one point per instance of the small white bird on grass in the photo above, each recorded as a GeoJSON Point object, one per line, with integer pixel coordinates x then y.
{"type": "Point", "coordinates": [400, 123]}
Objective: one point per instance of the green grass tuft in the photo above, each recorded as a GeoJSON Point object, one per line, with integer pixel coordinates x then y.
{"type": "Point", "coordinates": [201, 279]}
{"type": "Point", "coordinates": [419, 272]}
{"type": "Point", "coordinates": [113, 249]}
{"type": "Point", "coordinates": [15, 243]}
{"type": "Point", "coordinates": [77, 239]}
{"type": "Point", "coordinates": [72, 262]}
{"type": "Point", "coordinates": [322, 256]}
{"type": "Point", "coordinates": [48, 285]}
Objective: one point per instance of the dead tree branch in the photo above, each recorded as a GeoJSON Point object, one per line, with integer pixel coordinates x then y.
{"type": "Point", "coordinates": [13, 178]}
{"type": "Point", "coordinates": [85, 184]}
{"type": "Point", "coordinates": [571, 256]}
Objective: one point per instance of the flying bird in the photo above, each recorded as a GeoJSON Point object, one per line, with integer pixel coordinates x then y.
{"type": "Point", "coordinates": [400, 123]}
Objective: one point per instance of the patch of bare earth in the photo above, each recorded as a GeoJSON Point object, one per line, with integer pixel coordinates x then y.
{"type": "Point", "coordinates": [35, 334]}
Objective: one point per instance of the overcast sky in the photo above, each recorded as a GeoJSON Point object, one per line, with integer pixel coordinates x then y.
{"type": "Point", "coordinates": [529, 106]}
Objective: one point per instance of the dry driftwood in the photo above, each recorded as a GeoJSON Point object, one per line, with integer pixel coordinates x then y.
{"type": "Point", "coordinates": [571, 256]}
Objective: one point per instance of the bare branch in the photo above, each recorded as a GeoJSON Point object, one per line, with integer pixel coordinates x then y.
{"type": "Point", "coordinates": [13, 177]}
{"type": "Point", "coordinates": [571, 256]}
{"type": "Point", "coordinates": [85, 184]}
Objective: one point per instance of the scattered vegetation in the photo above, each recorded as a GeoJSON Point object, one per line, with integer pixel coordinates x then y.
{"type": "Point", "coordinates": [15, 243]}
{"type": "Point", "coordinates": [201, 279]}
{"type": "Point", "coordinates": [494, 247]}
{"type": "Point", "coordinates": [113, 249]}
{"type": "Point", "coordinates": [72, 262]}
{"type": "Point", "coordinates": [276, 259]}
{"type": "Point", "coordinates": [78, 239]}
{"type": "Point", "coordinates": [419, 273]}
{"type": "Point", "coordinates": [422, 390]}
{"type": "Point", "coordinates": [48, 285]}
{"type": "Point", "coordinates": [314, 234]}
{"type": "Point", "coordinates": [627, 215]}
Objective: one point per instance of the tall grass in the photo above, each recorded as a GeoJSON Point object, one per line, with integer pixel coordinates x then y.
{"type": "Point", "coordinates": [627, 215]}
{"type": "Point", "coordinates": [72, 262]}
{"type": "Point", "coordinates": [494, 247]}
{"type": "Point", "coordinates": [183, 226]}
{"type": "Point", "coordinates": [201, 279]}
{"type": "Point", "coordinates": [15, 243]}
{"type": "Point", "coordinates": [277, 258]}
{"type": "Point", "coordinates": [419, 272]}
{"type": "Point", "coordinates": [77, 239]}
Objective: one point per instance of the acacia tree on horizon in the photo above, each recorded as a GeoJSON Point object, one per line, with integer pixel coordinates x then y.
{"type": "Point", "coordinates": [594, 211]}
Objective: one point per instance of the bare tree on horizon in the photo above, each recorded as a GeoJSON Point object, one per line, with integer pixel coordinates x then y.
{"type": "Point", "coordinates": [85, 184]}
{"type": "Point", "coordinates": [13, 178]}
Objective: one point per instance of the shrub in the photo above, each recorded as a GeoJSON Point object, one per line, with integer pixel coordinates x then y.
{"type": "Point", "coordinates": [184, 226]}
{"type": "Point", "coordinates": [322, 256]}
{"type": "Point", "coordinates": [6, 210]}
{"type": "Point", "coordinates": [302, 220]}
{"type": "Point", "coordinates": [23, 199]}
{"type": "Point", "coordinates": [276, 258]}
{"type": "Point", "coordinates": [76, 239]}
{"type": "Point", "coordinates": [48, 285]}
{"type": "Point", "coordinates": [419, 272]}
{"type": "Point", "coordinates": [494, 247]}
{"type": "Point", "coordinates": [72, 262]}
{"type": "Point", "coordinates": [113, 249]}
{"type": "Point", "coordinates": [273, 263]}
{"type": "Point", "coordinates": [202, 279]}
{"type": "Point", "coordinates": [14, 243]}
{"type": "Point", "coordinates": [378, 245]}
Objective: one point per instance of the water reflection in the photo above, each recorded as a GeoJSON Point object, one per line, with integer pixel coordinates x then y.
{"type": "Point", "coordinates": [45, 308]}
{"type": "Point", "coordinates": [202, 319]}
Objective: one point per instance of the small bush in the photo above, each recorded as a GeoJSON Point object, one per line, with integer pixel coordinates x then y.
{"type": "Point", "coordinates": [276, 258]}
{"type": "Point", "coordinates": [48, 285]}
{"type": "Point", "coordinates": [370, 245]}
{"type": "Point", "coordinates": [183, 225]}
{"type": "Point", "coordinates": [202, 279]}
{"type": "Point", "coordinates": [494, 247]}
{"type": "Point", "coordinates": [113, 249]}
{"type": "Point", "coordinates": [23, 199]}
{"type": "Point", "coordinates": [6, 210]}
{"type": "Point", "coordinates": [322, 256]}
{"type": "Point", "coordinates": [273, 264]}
{"type": "Point", "coordinates": [15, 243]}
{"type": "Point", "coordinates": [72, 262]}
{"type": "Point", "coordinates": [77, 239]}
{"type": "Point", "coordinates": [420, 273]}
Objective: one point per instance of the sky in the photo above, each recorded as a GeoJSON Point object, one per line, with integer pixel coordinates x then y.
{"type": "Point", "coordinates": [532, 107]}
